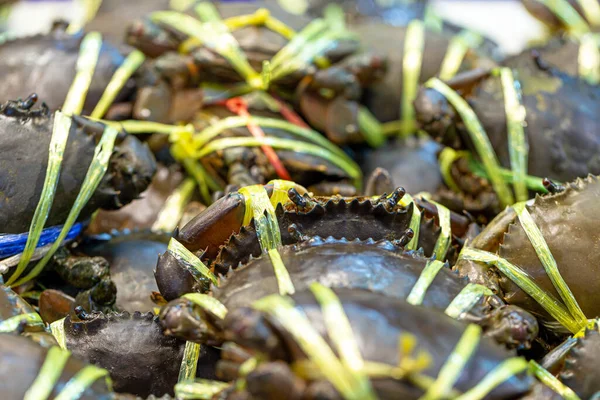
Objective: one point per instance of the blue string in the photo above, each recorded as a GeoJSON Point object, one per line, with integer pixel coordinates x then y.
{"type": "Point", "coordinates": [11, 244]}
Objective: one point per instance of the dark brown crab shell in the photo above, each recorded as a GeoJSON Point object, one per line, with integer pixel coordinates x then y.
{"type": "Point", "coordinates": [46, 64]}
{"type": "Point", "coordinates": [380, 267]}
{"type": "Point", "coordinates": [384, 98]}
{"type": "Point", "coordinates": [352, 218]}
{"type": "Point", "coordinates": [560, 115]}
{"type": "Point", "coordinates": [568, 222]}
{"type": "Point", "coordinates": [140, 359]}
{"type": "Point", "coordinates": [366, 310]}
{"type": "Point", "coordinates": [132, 257]}
{"type": "Point", "coordinates": [24, 141]}
{"type": "Point", "coordinates": [21, 359]}
{"type": "Point", "coordinates": [338, 263]}
{"type": "Point", "coordinates": [582, 363]}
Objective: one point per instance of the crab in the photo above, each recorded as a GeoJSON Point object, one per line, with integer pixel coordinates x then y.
{"type": "Point", "coordinates": [328, 97]}
{"type": "Point", "coordinates": [238, 166]}
{"type": "Point", "coordinates": [40, 64]}
{"type": "Point", "coordinates": [559, 121]}
{"type": "Point", "coordinates": [277, 372]}
{"type": "Point", "coordinates": [575, 361]}
{"type": "Point", "coordinates": [140, 359]}
{"type": "Point", "coordinates": [566, 220]}
{"type": "Point", "coordinates": [25, 133]}
{"type": "Point", "coordinates": [351, 218]}
{"type": "Point", "coordinates": [31, 357]}
{"type": "Point", "coordinates": [380, 267]}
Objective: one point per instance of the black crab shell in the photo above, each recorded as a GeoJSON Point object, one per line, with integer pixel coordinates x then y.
{"type": "Point", "coordinates": [24, 141]}
{"type": "Point", "coordinates": [46, 64]}
{"type": "Point", "coordinates": [568, 222]}
{"type": "Point", "coordinates": [358, 218]}
{"type": "Point", "coordinates": [582, 364]}
{"type": "Point", "coordinates": [377, 322]}
{"type": "Point", "coordinates": [560, 116]}
{"type": "Point", "coordinates": [21, 359]}
{"type": "Point", "coordinates": [378, 266]}
{"type": "Point", "coordinates": [140, 359]}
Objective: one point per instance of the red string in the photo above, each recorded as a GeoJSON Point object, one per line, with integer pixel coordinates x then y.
{"type": "Point", "coordinates": [289, 114]}
{"type": "Point", "coordinates": [238, 106]}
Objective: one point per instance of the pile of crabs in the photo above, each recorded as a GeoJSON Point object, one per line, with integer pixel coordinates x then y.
{"type": "Point", "coordinates": [299, 200]}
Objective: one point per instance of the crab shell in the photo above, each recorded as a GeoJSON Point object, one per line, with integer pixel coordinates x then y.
{"type": "Point", "coordinates": [384, 98]}
{"type": "Point", "coordinates": [581, 364]}
{"type": "Point", "coordinates": [21, 360]}
{"type": "Point", "coordinates": [411, 163]}
{"type": "Point", "coordinates": [351, 218]}
{"type": "Point", "coordinates": [46, 64]}
{"type": "Point", "coordinates": [568, 222]}
{"type": "Point", "coordinates": [140, 359]}
{"type": "Point", "coordinates": [380, 267]}
{"type": "Point", "coordinates": [377, 322]}
{"type": "Point", "coordinates": [24, 141]}
{"type": "Point", "coordinates": [560, 115]}
{"type": "Point", "coordinates": [132, 257]}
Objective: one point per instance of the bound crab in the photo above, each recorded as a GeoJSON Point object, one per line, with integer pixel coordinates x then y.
{"type": "Point", "coordinates": [317, 65]}
{"type": "Point", "coordinates": [140, 359]}
{"type": "Point", "coordinates": [537, 256]}
{"type": "Point", "coordinates": [33, 357]}
{"type": "Point", "coordinates": [270, 358]}
{"type": "Point", "coordinates": [424, 52]}
{"type": "Point", "coordinates": [527, 116]}
{"type": "Point", "coordinates": [121, 169]}
{"type": "Point", "coordinates": [384, 217]}
{"type": "Point", "coordinates": [575, 361]}
{"type": "Point", "coordinates": [371, 235]}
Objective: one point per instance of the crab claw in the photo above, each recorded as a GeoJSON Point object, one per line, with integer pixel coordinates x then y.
{"type": "Point", "coordinates": [183, 319]}
{"type": "Point", "coordinates": [250, 328]}
{"type": "Point", "coordinates": [433, 113]}
{"type": "Point", "coordinates": [512, 326]}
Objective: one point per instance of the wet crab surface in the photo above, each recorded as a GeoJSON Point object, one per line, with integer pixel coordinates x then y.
{"type": "Point", "coordinates": [291, 200]}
